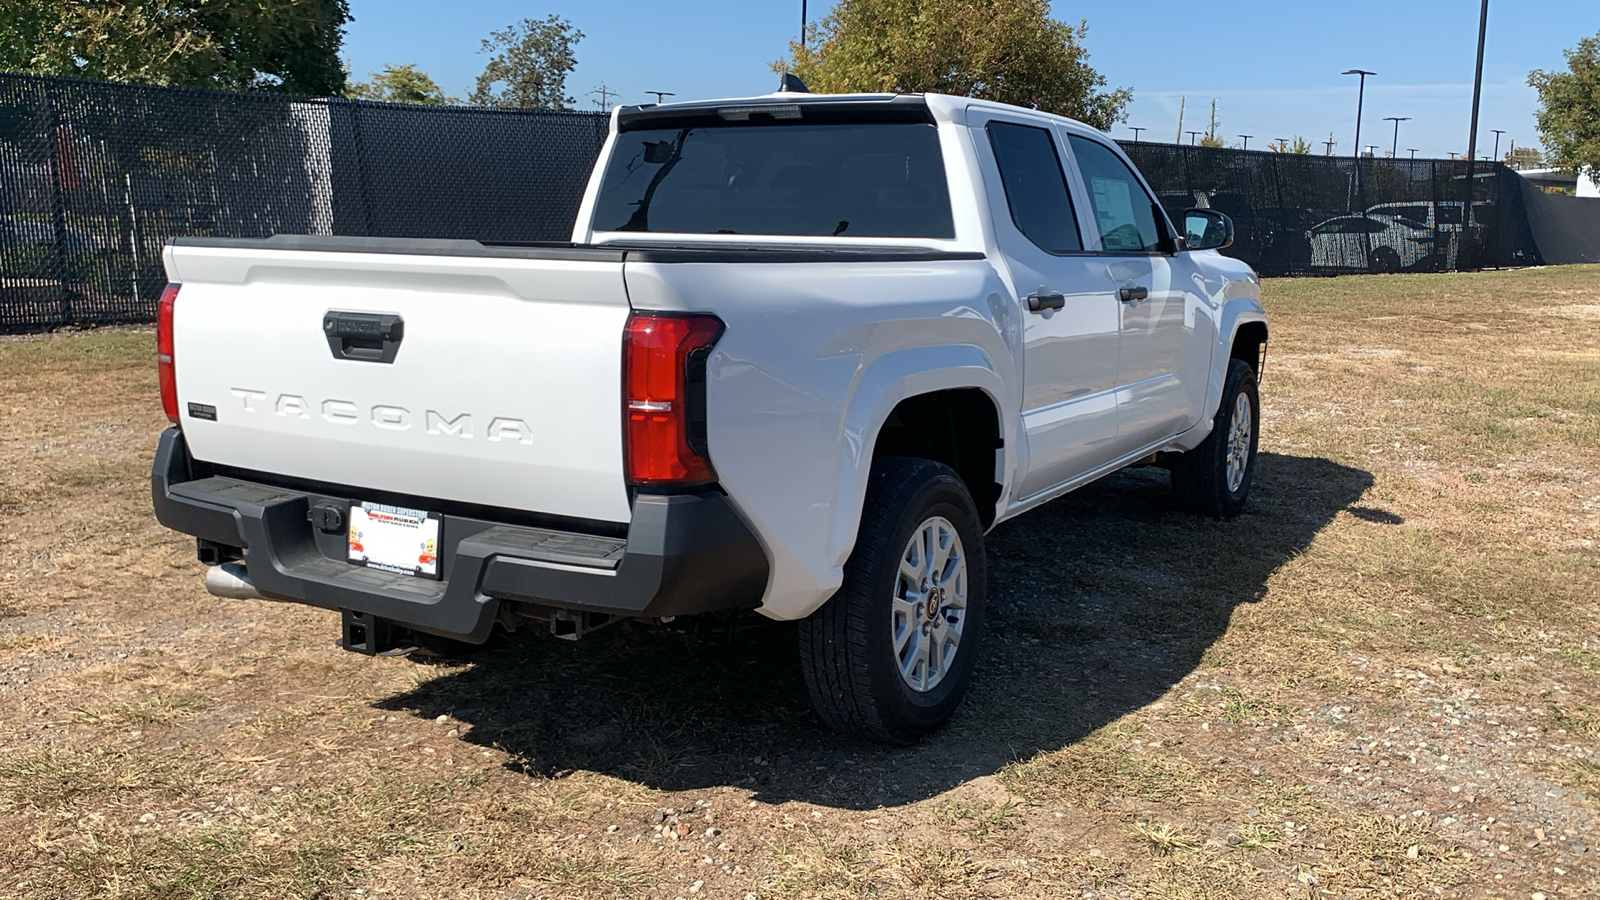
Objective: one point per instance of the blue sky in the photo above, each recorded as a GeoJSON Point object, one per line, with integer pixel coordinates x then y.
{"type": "Point", "coordinates": [1272, 67]}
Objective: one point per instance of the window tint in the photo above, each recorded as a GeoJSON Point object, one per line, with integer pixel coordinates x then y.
{"type": "Point", "coordinates": [1036, 188]}
{"type": "Point", "coordinates": [1358, 225]}
{"type": "Point", "coordinates": [1124, 211]}
{"type": "Point", "coordinates": [855, 180]}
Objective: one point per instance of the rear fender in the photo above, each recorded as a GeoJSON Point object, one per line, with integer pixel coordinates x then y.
{"type": "Point", "coordinates": [892, 378]}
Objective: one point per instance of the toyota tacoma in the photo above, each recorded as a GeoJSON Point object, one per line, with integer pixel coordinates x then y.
{"type": "Point", "coordinates": [801, 354]}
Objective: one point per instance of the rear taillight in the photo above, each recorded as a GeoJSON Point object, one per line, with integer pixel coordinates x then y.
{"type": "Point", "coordinates": [664, 379]}
{"type": "Point", "coordinates": [164, 370]}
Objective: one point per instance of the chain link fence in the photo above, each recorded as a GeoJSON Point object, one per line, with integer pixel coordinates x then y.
{"type": "Point", "coordinates": [96, 176]}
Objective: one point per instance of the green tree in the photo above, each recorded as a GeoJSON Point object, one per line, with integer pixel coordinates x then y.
{"type": "Point", "coordinates": [528, 65]}
{"type": "Point", "coordinates": [283, 45]}
{"type": "Point", "coordinates": [399, 84]}
{"type": "Point", "coordinates": [1524, 158]}
{"type": "Point", "coordinates": [1006, 50]}
{"type": "Point", "coordinates": [1569, 109]}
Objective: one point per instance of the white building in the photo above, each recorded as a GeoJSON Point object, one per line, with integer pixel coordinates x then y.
{"type": "Point", "coordinates": [1587, 186]}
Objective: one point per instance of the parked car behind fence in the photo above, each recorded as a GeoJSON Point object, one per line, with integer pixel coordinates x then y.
{"type": "Point", "coordinates": [1378, 244]}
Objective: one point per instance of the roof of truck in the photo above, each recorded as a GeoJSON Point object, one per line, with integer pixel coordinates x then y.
{"type": "Point", "coordinates": [787, 105]}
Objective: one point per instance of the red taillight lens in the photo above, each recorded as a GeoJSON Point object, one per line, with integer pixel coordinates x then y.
{"type": "Point", "coordinates": [663, 377]}
{"type": "Point", "coordinates": [164, 370]}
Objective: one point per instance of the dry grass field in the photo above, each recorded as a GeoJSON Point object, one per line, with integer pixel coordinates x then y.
{"type": "Point", "coordinates": [1382, 681]}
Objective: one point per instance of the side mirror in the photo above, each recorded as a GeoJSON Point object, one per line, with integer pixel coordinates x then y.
{"type": "Point", "coordinates": [1206, 229]}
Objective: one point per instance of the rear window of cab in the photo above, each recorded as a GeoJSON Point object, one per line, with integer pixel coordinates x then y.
{"type": "Point", "coordinates": [813, 180]}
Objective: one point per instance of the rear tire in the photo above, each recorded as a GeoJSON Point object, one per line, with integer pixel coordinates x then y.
{"type": "Point", "coordinates": [889, 657]}
{"type": "Point", "coordinates": [1214, 478]}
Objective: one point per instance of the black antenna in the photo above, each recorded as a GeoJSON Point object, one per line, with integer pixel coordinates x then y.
{"type": "Point", "coordinates": [790, 83]}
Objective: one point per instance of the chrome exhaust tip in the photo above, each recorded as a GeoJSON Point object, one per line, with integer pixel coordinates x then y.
{"type": "Point", "coordinates": [231, 581]}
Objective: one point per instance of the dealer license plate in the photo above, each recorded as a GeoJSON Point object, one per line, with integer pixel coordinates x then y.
{"type": "Point", "coordinates": [395, 539]}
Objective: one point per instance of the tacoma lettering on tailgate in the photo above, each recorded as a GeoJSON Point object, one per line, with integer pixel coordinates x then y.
{"type": "Point", "coordinates": [382, 415]}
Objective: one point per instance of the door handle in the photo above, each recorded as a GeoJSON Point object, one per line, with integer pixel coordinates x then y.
{"type": "Point", "coordinates": [1133, 293]}
{"type": "Point", "coordinates": [366, 337]}
{"type": "Point", "coordinates": [1044, 299]}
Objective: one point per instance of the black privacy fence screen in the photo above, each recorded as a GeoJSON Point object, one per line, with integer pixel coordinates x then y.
{"type": "Point", "coordinates": [95, 177]}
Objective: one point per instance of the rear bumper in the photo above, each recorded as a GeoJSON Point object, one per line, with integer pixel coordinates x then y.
{"type": "Point", "coordinates": [683, 554]}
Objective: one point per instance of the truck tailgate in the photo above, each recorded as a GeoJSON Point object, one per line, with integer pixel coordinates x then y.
{"type": "Point", "coordinates": [504, 386]}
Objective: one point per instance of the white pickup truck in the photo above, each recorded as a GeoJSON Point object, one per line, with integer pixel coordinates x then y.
{"type": "Point", "coordinates": [801, 354]}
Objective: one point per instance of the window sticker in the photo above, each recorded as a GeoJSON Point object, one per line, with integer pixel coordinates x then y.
{"type": "Point", "coordinates": [1113, 208]}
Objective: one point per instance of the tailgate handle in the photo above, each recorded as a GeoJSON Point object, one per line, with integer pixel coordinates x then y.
{"type": "Point", "coordinates": [366, 337]}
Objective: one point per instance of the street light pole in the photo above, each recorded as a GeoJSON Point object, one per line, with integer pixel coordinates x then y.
{"type": "Point", "coordinates": [1247, 138]}
{"type": "Point", "coordinates": [1136, 129]}
{"type": "Point", "coordinates": [1497, 133]}
{"type": "Point", "coordinates": [1355, 168]}
{"type": "Point", "coordinates": [1395, 151]}
{"type": "Point", "coordinates": [1472, 139]}
{"type": "Point", "coordinates": [1412, 151]}
{"type": "Point", "coordinates": [802, 24]}
{"type": "Point", "coordinates": [1361, 99]}
{"type": "Point", "coordinates": [1193, 135]}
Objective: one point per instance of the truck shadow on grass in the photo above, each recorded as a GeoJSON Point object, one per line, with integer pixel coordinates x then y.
{"type": "Point", "coordinates": [1099, 603]}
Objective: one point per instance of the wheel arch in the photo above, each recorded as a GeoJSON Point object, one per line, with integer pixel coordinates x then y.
{"type": "Point", "coordinates": [959, 427]}
{"type": "Point", "coordinates": [944, 387]}
{"type": "Point", "coordinates": [1250, 344]}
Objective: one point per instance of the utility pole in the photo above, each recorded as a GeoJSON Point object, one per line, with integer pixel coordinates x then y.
{"type": "Point", "coordinates": [1136, 129]}
{"type": "Point", "coordinates": [1497, 133]}
{"type": "Point", "coordinates": [1330, 142]}
{"type": "Point", "coordinates": [1247, 138]}
{"type": "Point", "coordinates": [1395, 152]}
{"type": "Point", "coordinates": [1182, 102]}
{"type": "Point", "coordinates": [606, 94]}
{"type": "Point", "coordinates": [1472, 139]}
{"type": "Point", "coordinates": [1193, 135]}
{"type": "Point", "coordinates": [1212, 134]}
{"type": "Point", "coordinates": [661, 96]}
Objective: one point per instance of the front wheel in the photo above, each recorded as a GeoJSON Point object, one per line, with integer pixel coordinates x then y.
{"type": "Point", "coordinates": [1214, 478]}
{"type": "Point", "coordinates": [1385, 260]}
{"type": "Point", "coordinates": [888, 658]}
